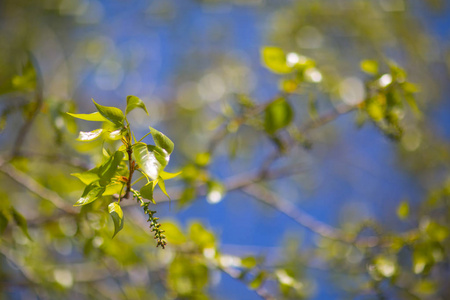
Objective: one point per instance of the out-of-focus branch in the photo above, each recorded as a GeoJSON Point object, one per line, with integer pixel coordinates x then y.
{"type": "Point", "coordinates": [39, 99]}
{"type": "Point", "coordinates": [307, 221]}
{"type": "Point", "coordinates": [291, 211]}
{"type": "Point", "coordinates": [235, 274]}
{"type": "Point", "coordinates": [35, 187]}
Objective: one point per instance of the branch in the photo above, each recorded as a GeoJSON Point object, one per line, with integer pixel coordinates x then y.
{"type": "Point", "coordinates": [35, 187]}
{"type": "Point", "coordinates": [23, 131]}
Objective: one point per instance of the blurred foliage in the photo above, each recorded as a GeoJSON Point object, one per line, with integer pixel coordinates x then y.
{"type": "Point", "coordinates": [242, 126]}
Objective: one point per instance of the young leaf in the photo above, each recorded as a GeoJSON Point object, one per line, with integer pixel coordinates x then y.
{"type": "Point", "coordinates": [151, 159]}
{"type": "Point", "coordinates": [87, 177]}
{"type": "Point", "coordinates": [108, 170]}
{"type": "Point", "coordinates": [21, 222]}
{"type": "Point", "coordinates": [91, 193]}
{"type": "Point", "coordinates": [113, 188]}
{"type": "Point", "coordinates": [369, 66]}
{"type": "Point", "coordinates": [134, 102]}
{"type": "Point", "coordinates": [403, 210]}
{"type": "Point", "coordinates": [274, 59]}
{"type": "Point", "coordinates": [161, 140]}
{"type": "Point", "coordinates": [112, 114]}
{"type": "Point", "coordinates": [162, 186]}
{"type": "Point", "coordinates": [278, 115]}
{"type": "Point", "coordinates": [147, 191]}
{"type": "Point", "coordinates": [117, 216]}
{"type": "Point", "coordinates": [87, 136]}
{"type": "Point", "coordinates": [116, 134]}
{"type": "Point", "coordinates": [166, 175]}
{"type": "Point", "coordinates": [96, 116]}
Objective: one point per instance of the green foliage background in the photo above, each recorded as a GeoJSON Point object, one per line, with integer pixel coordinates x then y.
{"type": "Point", "coordinates": [331, 70]}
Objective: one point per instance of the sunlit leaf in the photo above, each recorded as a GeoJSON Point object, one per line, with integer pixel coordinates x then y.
{"type": "Point", "coordinates": [166, 175]}
{"type": "Point", "coordinates": [116, 214]}
{"type": "Point", "coordinates": [162, 186]}
{"type": "Point", "coordinates": [86, 136]}
{"type": "Point", "coordinates": [274, 59]}
{"type": "Point", "coordinates": [88, 177]}
{"type": "Point", "coordinates": [91, 193]}
{"type": "Point", "coordinates": [96, 116]}
{"type": "Point", "coordinates": [151, 159]}
{"type": "Point", "coordinates": [21, 222]}
{"type": "Point", "coordinates": [134, 102]}
{"type": "Point", "coordinates": [112, 114]}
{"type": "Point", "coordinates": [113, 188]}
{"type": "Point", "coordinates": [161, 140]}
{"type": "Point", "coordinates": [278, 115]}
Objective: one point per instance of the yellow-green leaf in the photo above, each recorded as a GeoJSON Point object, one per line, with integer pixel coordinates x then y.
{"type": "Point", "coordinates": [116, 214]}
{"type": "Point", "coordinates": [166, 175]}
{"type": "Point", "coordinates": [278, 115]}
{"type": "Point", "coordinates": [403, 210]}
{"type": "Point", "coordinates": [369, 66]}
{"type": "Point", "coordinates": [274, 59]}
{"type": "Point", "coordinates": [96, 116]}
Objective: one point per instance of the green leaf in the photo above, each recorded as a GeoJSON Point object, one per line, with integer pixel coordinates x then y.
{"type": "Point", "coordinates": [161, 140]}
{"type": "Point", "coordinates": [96, 116]}
{"type": "Point", "coordinates": [369, 66]}
{"type": "Point", "coordinates": [436, 231]}
{"type": "Point", "coordinates": [147, 191]}
{"type": "Point", "coordinates": [403, 210]}
{"type": "Point", "coordinates": [27, 80]}
{"type": "Point", "coordinates": [162, 186]}
{"type": "Point", "coordinates": [117, 216]}
{"type": "Point", "coordinates": [88, 177]}
{"type": "Point", "coordinates": [3, 222]}
{"type": "Point", "coordinates": [87, 136]}
{"type": "Point", "coordinates": [107, 171]}
{"type": "Point", "coordinates": [278, 115]}
{"type": "Point", "coordinates": [134, 102]}
{"type": "Point", "coordinates": [91, 193]}
{"type": "Point", "coordinates": [151, 159]}
{"type": "Point", "coordinates": [258, 280]}
{"type": "Point", "coordinates": [249, 262]}
{"type": "Point", "coordinates": [274, 59]}
{"type": "Point", "coordinates": [21, 222]}
{"type": "Point", "coordinates": [113, 188]}
{"type": "Point", "coordinates": [166, 175]}
{"type": "Point", "coordinates": [112, 114]}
